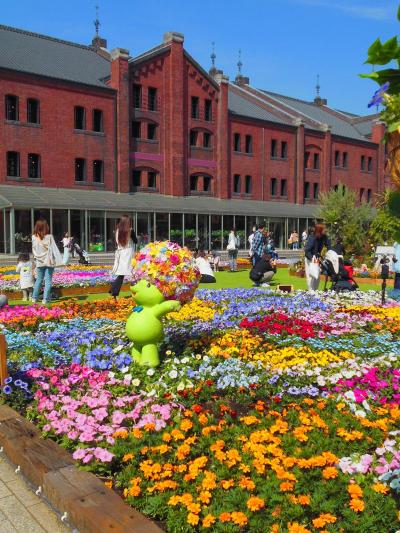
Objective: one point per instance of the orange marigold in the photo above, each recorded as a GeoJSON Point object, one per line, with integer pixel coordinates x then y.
{"type": "Point", "coordinates": [208, 520]}
{"type": "Point", "coordinates": [205, 497]}
{"type": "Point", "coordinates": [303, 499]}
{"type": "Point", "coordinates": [324, 519]}
{"type": "Point", "coordinates": [225, 517]}
{"type": "Point", "coordinates": [295, 527]}
{"type": "Point", "coordinates": [286, 486]}
{"type": "Point", "coordinates": [357, 505]}
{"type": "Point", "coordinates": [355, 491]}
{"type": "Point", "coordinates": [330, 472]}
{"type": "Point", "coordinates": [255, 504]}
{"type": "Point", "coordinates": [193, 519]}
{"type": "Point", "coordinates": [227, 484]}
{"type": "Point", "coordinates": [238, 518]}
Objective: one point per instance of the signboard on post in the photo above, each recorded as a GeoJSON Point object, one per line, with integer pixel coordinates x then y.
{"type": "Point", "coordinates": [382, 251]}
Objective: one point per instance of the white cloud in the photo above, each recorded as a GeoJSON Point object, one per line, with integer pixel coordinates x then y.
{"type": "Point", "coordinates": [355, 9]}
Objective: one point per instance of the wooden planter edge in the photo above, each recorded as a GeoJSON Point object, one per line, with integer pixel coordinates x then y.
{"type": "Point", "coordinates": [90, 506]}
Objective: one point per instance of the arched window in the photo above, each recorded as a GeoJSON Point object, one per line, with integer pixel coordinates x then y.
{"type": "Point", "coordinates": [200, 138]}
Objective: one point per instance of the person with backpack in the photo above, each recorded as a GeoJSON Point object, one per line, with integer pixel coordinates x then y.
{"type": "Point", "coordinates": [125, 238]}
{"type": "Point", "coordinates": [263, 271]}
{"type": "Point", "coordinates": [233, 249]}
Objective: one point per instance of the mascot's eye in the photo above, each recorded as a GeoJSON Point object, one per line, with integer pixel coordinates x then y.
{"type": "Point", "coordinates": [148, 285]}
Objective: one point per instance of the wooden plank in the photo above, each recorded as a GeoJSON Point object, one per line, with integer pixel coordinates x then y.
{"type": "Point", "coordinates": [3, 359]}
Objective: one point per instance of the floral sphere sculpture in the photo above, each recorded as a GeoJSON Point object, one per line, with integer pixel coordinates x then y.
{"type": "Point", "coordinates": [168, 266]}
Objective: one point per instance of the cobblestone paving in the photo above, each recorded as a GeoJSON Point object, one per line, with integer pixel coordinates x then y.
{"type": "Point", "coordinates": [21, 511]}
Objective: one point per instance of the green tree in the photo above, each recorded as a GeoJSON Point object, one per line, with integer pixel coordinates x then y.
{"type": "Point", "coordinates": [385, 226]}
{"type": "Point", "coordinates": [346, 219]}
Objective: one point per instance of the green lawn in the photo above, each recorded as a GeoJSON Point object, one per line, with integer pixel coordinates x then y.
{"type": "Point", "coordinates": [225, 280]}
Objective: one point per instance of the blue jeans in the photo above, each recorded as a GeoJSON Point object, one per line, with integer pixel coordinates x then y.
{"type": "Point", "coordinates": [45, 273]}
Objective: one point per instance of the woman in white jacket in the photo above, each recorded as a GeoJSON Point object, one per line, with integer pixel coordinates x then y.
{"type": "Point", "coordinates": [233, 250]}
{"type": "Point", "coordinates": [126, 240]}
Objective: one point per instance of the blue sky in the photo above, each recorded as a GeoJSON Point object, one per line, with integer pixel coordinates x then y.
{"type": "Point", "coordinates": [284, 43]}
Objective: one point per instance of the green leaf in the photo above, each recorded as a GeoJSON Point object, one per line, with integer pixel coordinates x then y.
{"type": "Point", "coordinates": [393, 127]}
{"type": "Point", "coordinates": [374, 52]}
{"type": "Point", "coordinates": [398, 13]}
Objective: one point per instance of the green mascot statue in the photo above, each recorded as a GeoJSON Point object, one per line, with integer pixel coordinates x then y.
{"type": "Point", "coordinates": [164, 276]}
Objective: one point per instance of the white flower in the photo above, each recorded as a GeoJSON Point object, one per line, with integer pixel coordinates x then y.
{"type": "Point", "coordinates": [111, 375]}
{"type": "Point", "coordinates": [153, 392]}
{"type": "Point", "coordinates": [125, 369]}
{"type": "Point", "coordinates": [360, 413]}
{"type": "Point", "coordinates": [127, 378]}
{"type": "Point", "coordinates": [176, 361]}
{"type": "Point", "coordinates": [185, 360]}
{"type": "Point", "coordinates": [173, 374]}
{"type": "Point", "coordinates": [136, 382]}
{"type": "Point", "coordinates": [181, 386]}
{"type": "Point", "coordinates": [151, 372]}
{"type": "Point", "coordinates": [321, 381]}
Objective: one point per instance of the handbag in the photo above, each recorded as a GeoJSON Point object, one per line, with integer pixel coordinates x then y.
{"type": "Point", "coordinates": [314, 270]}
{"type": "Point", "coordinates": [53, 257]}
{"type": "Point", "coordinates": [231, 247]}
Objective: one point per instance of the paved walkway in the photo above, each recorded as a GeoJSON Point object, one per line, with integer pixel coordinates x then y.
{"type": "Point", "coordinates": [21, 511]}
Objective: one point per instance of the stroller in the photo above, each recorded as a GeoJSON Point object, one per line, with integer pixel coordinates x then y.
{"type": "Point", "coordinates": [83, 255]}
{"type": "Point", "coordinates": [339, 271]}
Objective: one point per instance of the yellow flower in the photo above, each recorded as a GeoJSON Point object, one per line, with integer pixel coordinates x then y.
{"type": "Point", "coordinates": [227, 484]}
{"type": "Point", "coordinates": [380, 488]}
{"type": "Point", "coordinates": [355, 490]}
{"type": "Point", "coordinates": [225, 517]}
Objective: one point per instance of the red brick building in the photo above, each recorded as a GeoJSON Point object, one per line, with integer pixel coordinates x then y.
{"type": "Point", "coordinates": [86, 134]}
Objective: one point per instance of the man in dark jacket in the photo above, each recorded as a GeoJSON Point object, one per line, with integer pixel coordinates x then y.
{"type": "Point", "coordinates": [263, 271]}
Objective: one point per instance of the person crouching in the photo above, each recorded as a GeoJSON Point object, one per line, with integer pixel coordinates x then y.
{"type": "Point", "coordinates": [263, 271]}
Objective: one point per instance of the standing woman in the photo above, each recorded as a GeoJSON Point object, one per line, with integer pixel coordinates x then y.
{"type": "Point", "coordinates": [46, 256]}
{"type": "Point", "coordinates": [312, 251]}
{"type": "Point", "coordinates": [126, 240]}
{"type": "Point", "coordinates": [233, 249]}
{"type": "Point", "coordinates": [66, 242]}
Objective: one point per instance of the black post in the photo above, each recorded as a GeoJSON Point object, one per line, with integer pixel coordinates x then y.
{"type": "Point", "coordinates": [383, 291]}
{"type": "Point", "coordinates": [384, 276]}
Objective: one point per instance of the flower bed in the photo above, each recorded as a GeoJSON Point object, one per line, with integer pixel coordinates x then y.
{"type": "Point", "coordinates": [270, 412]}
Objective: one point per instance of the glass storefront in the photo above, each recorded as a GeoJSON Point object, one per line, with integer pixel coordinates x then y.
{"type": "Point", "coordinates": [176, 228]}
{"type": "Point", "coordinates": [23, 230]}
{"type": "Point", "coordinates": [59, 220]}
{"type": "Point", "coordinates": [162, 227]}
{"type": "Point", "coordinates": [191, 240]}
{"type": "Point", "coordinates": [203, 228]}
{"type": "Point", "coordinates": [95, 230]}
{"type": "Point", "coordinates": [216, 232]}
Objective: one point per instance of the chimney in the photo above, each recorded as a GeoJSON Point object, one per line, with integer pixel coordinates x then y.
{"type": "Point", "coordinates": [320, 101]}
{"type": "Point", "coordinates": [99, 42]}
{"type": "Point", "coordinates": [173, 36]}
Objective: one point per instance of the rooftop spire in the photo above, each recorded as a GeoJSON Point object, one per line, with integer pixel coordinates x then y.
{"type": "Point", "coordinates": [213, 70]}
{"type": "Point", "coordinates": [318, 87]}
{"type": "Point", "coordinates": [96, 22]}
{"type": "Point", "coordinates": [239, 63]}
{"type": "Point", "coordinates": [97, 41]}
{"type": "Point", "coordinates": [213, 56]}
{"type": "Point", "coordinates": [318, 100]}
{"type": "Point", "coordinates": [240, 79]}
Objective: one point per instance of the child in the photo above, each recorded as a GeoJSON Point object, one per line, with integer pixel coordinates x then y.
{"type": "Point", "coordinates": [216, 258]}
{"type": "Point", "coordinates": [25, 270]}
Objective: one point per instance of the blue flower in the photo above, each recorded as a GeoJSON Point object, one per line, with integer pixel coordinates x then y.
{"type": "Point", "coordinates": [378, 96]}
{"type": "Point", "coordinates": [8, 380]}
{"type": "Point", "coordinates": [7, 389]}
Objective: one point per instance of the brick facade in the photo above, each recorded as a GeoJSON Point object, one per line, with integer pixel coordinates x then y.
{"type": "Point", "coordinates": [168, 129]}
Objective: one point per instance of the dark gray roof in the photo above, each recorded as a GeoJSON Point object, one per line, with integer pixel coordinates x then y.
{"type": "Point", "coordinates": [238, 105]}
{"type": "Point", "coordinates": [38, 54]}
{"type": "Point", "coordinates": [339, 126]}
{"type": "Point", "coordinates": [43, 197]}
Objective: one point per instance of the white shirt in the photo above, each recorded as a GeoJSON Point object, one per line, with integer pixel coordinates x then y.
{"type": "Point", "coordinates": [204, 266]}
{"type": "Point", "coordinates": [25, 274]}
{"type": "Point", "coordinates": [65, 241]}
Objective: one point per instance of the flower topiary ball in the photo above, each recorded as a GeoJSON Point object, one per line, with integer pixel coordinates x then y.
{"type": "Point", "coordinates": [170, 267]}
